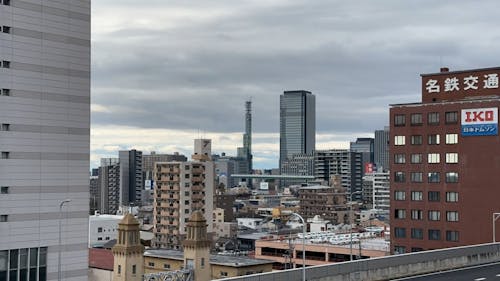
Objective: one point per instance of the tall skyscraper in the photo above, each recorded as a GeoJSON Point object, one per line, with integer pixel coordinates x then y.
{"type": "Point", "coordinates": [297, 124]}
{"type": "Point", "coordinates": [44, 139]}
{"type": "Point", "coordinates": [366, 148]}
{"type": "Point", "coordinates": [131, 184]}
{"type": "Point", "coordinates": [244, 154]}
{"type": "Point", "coordinates": [381, 152]}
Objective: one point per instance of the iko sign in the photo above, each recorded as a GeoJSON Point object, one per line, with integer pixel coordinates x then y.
{"type": "Point", "coordinates": [480, 122]}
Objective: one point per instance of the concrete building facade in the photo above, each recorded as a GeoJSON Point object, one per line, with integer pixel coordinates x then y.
{"type": "Point", "coordinates": [444, 162]}
{"type": "Point", "coordinates": [340, 162]}
{"type": "Point", "coordinates": [381, 149]}
{"type": "Point", "coordinates": [180, 189]}
{"type": "Point", "coordinates": [44, 137]}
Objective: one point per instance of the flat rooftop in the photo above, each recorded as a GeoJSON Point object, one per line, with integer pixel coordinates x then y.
{"type": "Point", "coordinates": [232, 261]}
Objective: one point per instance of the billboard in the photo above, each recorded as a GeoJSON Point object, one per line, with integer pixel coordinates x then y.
{"type": "Point", "coordinates": [480, 122]}
{"type": "Point", "coordinates": [264, 186]}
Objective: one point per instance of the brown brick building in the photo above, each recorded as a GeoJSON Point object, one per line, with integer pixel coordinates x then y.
{"type": "Point", "coordinates": [445, 162]}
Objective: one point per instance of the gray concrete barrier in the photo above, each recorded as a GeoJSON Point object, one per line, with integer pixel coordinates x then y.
{"type": "Point", "coordinates": [386, 268]}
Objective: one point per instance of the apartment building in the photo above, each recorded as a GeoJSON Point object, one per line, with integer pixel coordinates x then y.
{"type": "Point", "coordinates": [180, 189]}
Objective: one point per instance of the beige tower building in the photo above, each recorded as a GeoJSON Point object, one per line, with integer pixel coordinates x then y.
{"type": "Point", "coordinates": [128, 251]}
{"type": "Point", "coordinates": [197, 247]}
{"type": "Point", "coordinates": [180, 188]}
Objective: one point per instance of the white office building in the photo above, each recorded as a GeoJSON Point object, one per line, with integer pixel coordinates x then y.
{"type": "Point", "coordinates": [102, 229]}
{"type": "Point", "coordinates": [44, 138]}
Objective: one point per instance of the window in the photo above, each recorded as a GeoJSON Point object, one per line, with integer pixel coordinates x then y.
{"type": "Point", "coordinates": [416, 119]}
{"type": "Point", "coordinates": [202, 262]}
{"type": "Point", "coordinates": [223, 274]}
{"type": "Point", "coordinates": [416, 196]}
{"type": "Point", "coordinates": [416, 158]}
{"type": "Point", "coordinates": [5, 127]}
{"type": "Point", "coordinates": [400, 214]}
{"type": "Point", "coordinates": [151, 264]}
{"type": "Point", "coordinates": [451, 235]}
{"type": "Point", "coordinates": [417, 215]}
{"type": "Point", "coordinates": [399, 158]}
{"type": "Point", "coordinates": [186, 167]}
{"type": "Point", "coordinates": [399, 120]}
{"type": "Point", "coordinates": [186, 184]}
{"type": "Point", "coordinates": [452, 177]}
{"type": "Point", "coordinates": [416, 176]}
{"type": "Point", "coordinates": [399, 195]}
{"type": "Point", "coordinates": [6, 2]}
{"type": "Point", "coordinates": [400, 232]}
{"type": "Point", "coordinates": [451, 196]}
{"type": "Point", "coordinates": [186, 211]}
{"type": "Point", "coordinates": [433, 139]}
{"type": "Point", "coordinates": [119, 269]}
{"type": "Point", "coordinates": [416, 140]}
{"type": "Point", "coordinates": [417, 233]}
{"type": "Point", "coordinates": [166, 266]}
{"type": "Point", "coordinates": [433, 118]}
{"type": "Point", "coordinates": [6, 29]}
{"type": "Point", "coordinates": [434, 234]}
{"type": "Point", "coordinates": [399, 177]}
{"type": "Point", "coordinates": [6, 64]}
{"type": "Point", "coordinates": [451, 138]}
{"type": "Point", "coordinates": [186, 176]}
{"type": "Point", "coordinates": [399, 140]}
{"type": "Point", "coordinates": [451, 216]}
{"type": "Point", "coordinates": [99, 238]}
{"type": "Point", "coordinates": [399, 250]}
{"type": "Point", "coordinates": [434, 196]}
{"type": "Point", "coordinates": [5, 155]}
{"type": "Point", "coordinates": [4, 218]}
{"type": "Point", "coordinates": [434, 215]}
{"type": "Point", "coordinates": [433, 177]}
{"type": "Point", "coordinates": [416, 249]}
{"type": "Point", "coordinates": [134, 269]}
{"type": "Point", "coordinates": [186, 193]}
{"type": "Point", "coordinates": [186, 202]}
{"type": "Point", "coordinates": [5, 92]}
{"type": "Point", "coordinates": [99, 229]}
{"type": "Point", "coordinates": [433, 158]}
{"type": "Point", "coordinates": [451, 117]}
{"type": "Point", "coordinates": [452, 158]}
{"type": "Point", "coordinates": [4, 190]}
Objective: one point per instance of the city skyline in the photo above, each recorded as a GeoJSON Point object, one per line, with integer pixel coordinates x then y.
{"type": "Point", "coordinates": [207, 59]}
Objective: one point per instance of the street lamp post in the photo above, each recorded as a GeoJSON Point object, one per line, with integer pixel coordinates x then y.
{"type": "Point", "coordinates": [59, 248]}
{"type": "Point", "coordinates": [350, 222]}
{"type": "Point", "coordinates": [496, 216]}
{"type": "Point", "coordinates": [303, 245]}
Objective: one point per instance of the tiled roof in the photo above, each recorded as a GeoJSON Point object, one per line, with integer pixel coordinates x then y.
{"type": "Point", "coordinates": [101, 258]}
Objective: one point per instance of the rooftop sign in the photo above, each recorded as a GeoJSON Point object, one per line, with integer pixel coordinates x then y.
{"type": "Point", "coordinates": [448, 86]}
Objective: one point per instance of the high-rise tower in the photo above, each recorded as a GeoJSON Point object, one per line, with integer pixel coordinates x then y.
{"type": "Point", "coordinates": [297, 124]}
{"type": "Point", "coordinates": [44, 139]}
{"type": "Point", "coordinates": [244, 159]}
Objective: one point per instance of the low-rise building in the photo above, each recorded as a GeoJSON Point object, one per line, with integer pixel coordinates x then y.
{"type": "Point", "coordinates": [286, 251]}
{"type": "Point", "coordinates": [222, 266]}
{"type": "Point", "coordinates": [102, 229]}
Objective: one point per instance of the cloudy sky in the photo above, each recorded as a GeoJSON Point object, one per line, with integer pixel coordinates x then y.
{"type": "Point", "coordinates": [168, 71]}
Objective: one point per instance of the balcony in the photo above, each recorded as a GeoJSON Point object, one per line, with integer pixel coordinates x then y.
{"type": "Point", "coordinates": [197, 188]}
{"type": "Point", "coordinates": [197, 171]}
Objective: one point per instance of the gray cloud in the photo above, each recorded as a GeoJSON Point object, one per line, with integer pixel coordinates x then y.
{"type": "Point", "coordinates": [196, 71]}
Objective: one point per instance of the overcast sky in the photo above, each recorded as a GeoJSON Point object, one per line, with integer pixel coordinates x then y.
{"type": "Point", "coordinates": [165, 72]}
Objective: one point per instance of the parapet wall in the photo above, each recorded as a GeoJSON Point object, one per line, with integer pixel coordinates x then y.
{"type": "Point", "coordinates": [386, 268]}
